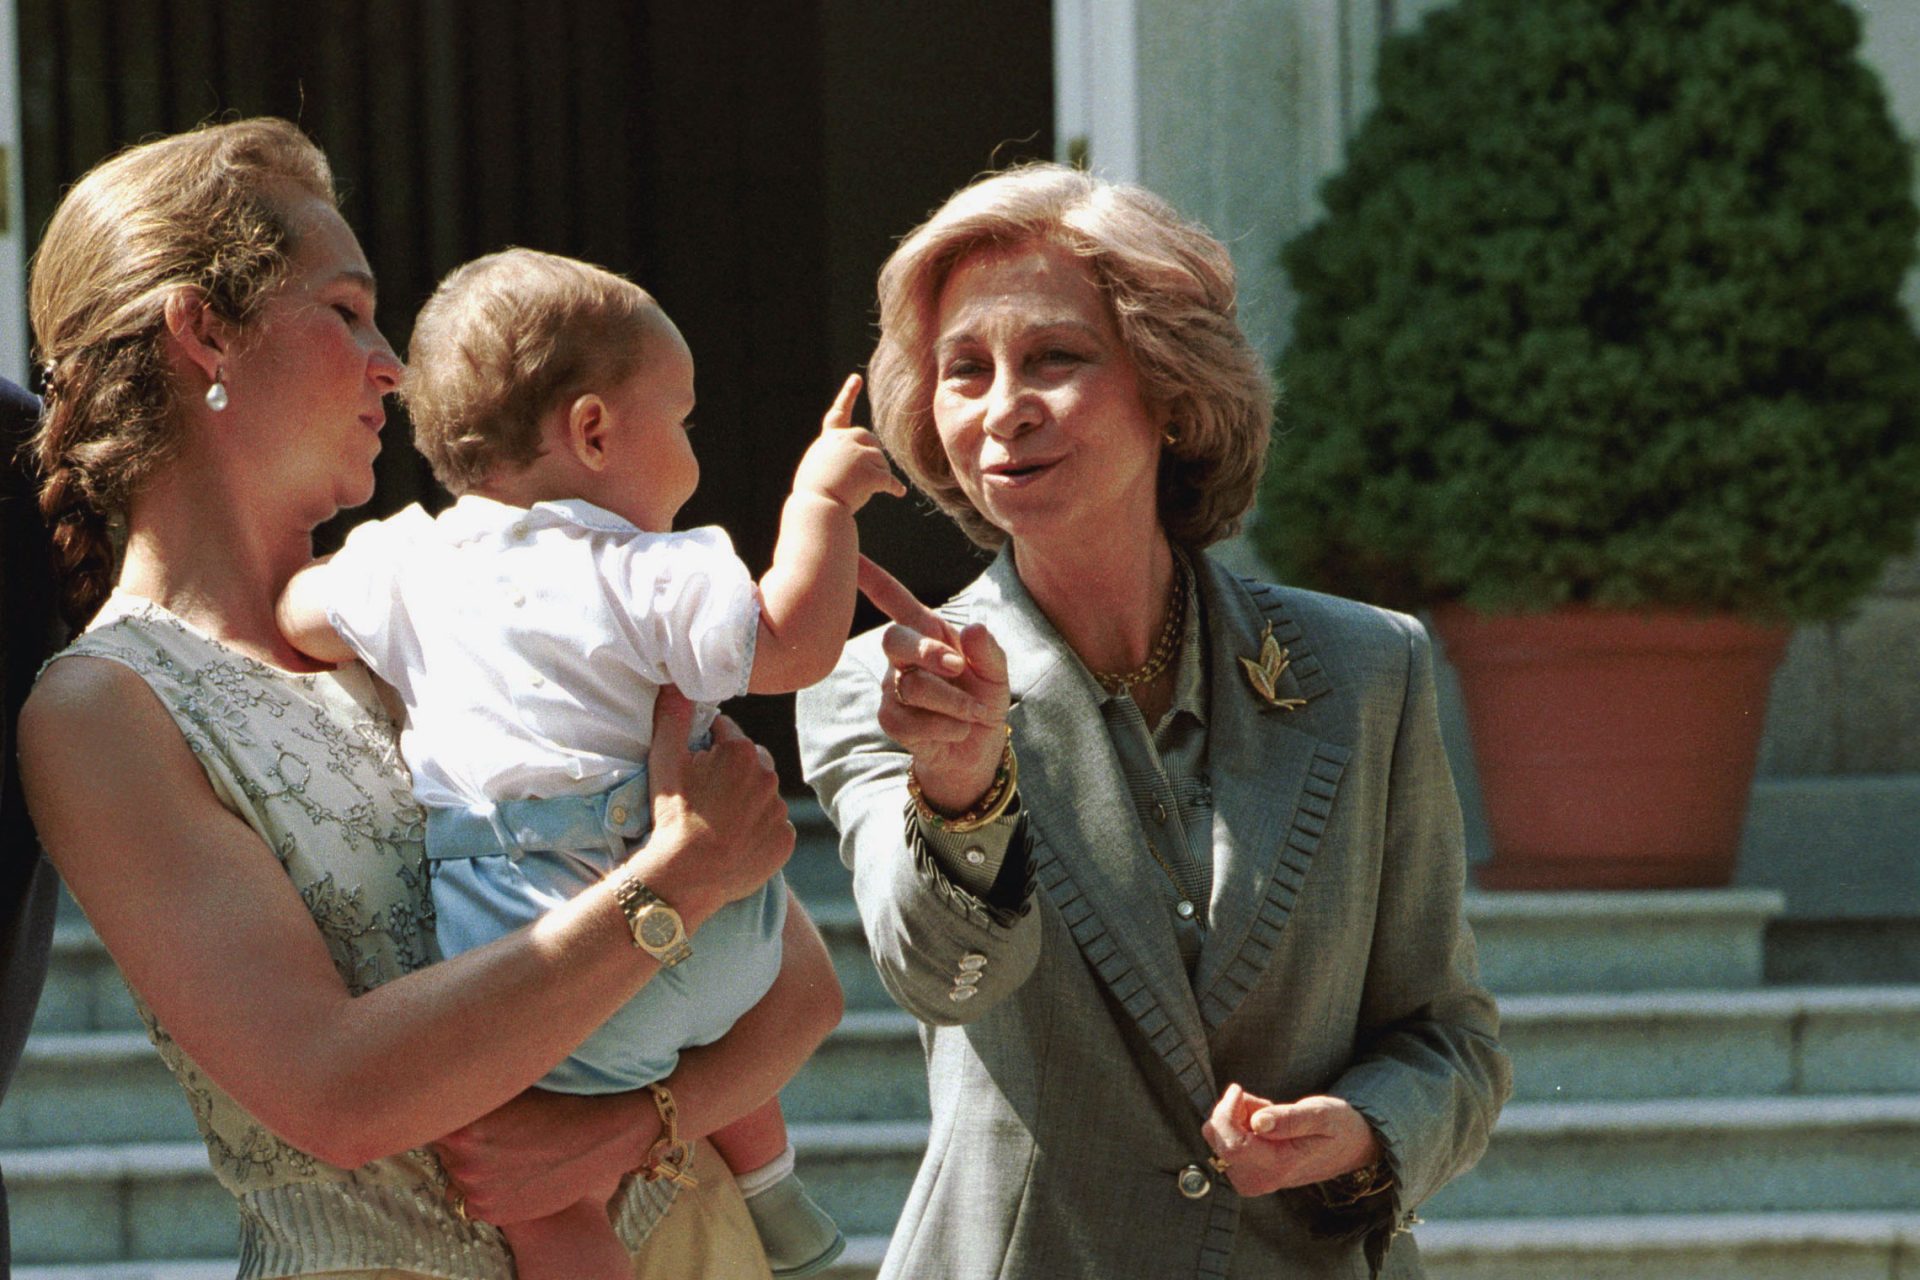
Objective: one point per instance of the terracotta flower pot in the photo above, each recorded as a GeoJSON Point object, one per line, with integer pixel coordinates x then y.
{"type": "Point", "coordinates": [1615, 749]}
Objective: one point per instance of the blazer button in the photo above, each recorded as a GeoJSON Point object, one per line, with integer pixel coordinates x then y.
{"type": "Point", "coordinates": [959, 994]}
{"type": "Point", "coordinates": [1193, 1182]}
{"type": "Point", "coordinates": [971, 961]}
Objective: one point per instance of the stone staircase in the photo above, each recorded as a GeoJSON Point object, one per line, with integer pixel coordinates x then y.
{"type": "Point", "coordinates": [1673, 1115]}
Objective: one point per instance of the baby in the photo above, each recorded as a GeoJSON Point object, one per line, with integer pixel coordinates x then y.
{"type": "Point", "coordinates": [527, 629]}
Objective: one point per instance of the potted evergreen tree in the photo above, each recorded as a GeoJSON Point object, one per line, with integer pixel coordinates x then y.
{"type": "Point", "coordinates": [1600, 355]}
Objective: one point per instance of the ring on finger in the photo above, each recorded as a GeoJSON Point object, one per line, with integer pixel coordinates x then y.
{"type": "Point", "coordinates": [1217, 1163]}
{"type": "Point", "coordinates": [457, 1202]}
{"type": "Point", "coordinates": [899, 685]}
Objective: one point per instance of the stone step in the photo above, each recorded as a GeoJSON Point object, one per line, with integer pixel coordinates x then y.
{"type": "Point", "coordinates": [121, 1203]}
{"type": "Point", "coordinates": [1529, 943]}
{"type": "Point", "coordinates": [1777, 1041]}
{"type": "Point", "coordinates": [92, 1087]}
{"type": "Point", "coordinates": [1666, 940]}
{"type": "Point", "coordinates": [158, 1200]}
{"type": "Point", "coordinates": [1768, 1246]}
{"type": "Point", "coordinates": [860, 1171]}
{"type": "Point", "coordinates": [1788, 1246]}
{"type": "Point", "coordinates": [870, 1068]}
{"type": "Point", "coordinates": [110, 1086]}
{"type": "Point", "coordinates": [84, 991]}
{"type": "Point", "coordinates": [177, 1269]}
{"type": "Point", "coordinates": [861, 1261]}
{"type": "Point", "coordinates": [1708, 1158]}
{"type": "Point", "coordinates": [1783, 1246]}
{"type": "Point", "coordinates": [1696, 1155]}
{"type": "Point", "coordinates": [1539, 944]}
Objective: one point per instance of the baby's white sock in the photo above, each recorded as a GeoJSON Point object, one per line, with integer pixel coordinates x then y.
{"type": "Point", "coordinates": [753, 1182]}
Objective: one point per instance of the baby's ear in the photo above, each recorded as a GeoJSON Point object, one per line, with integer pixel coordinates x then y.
{"type": "Point", "coordinates": [584, 430]}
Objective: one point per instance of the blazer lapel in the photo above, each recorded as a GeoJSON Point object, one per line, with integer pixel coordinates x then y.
{"type": "Point", "coordinates": [1274, 783]}
{"type": "Point", "coordinates": [1090, 855]}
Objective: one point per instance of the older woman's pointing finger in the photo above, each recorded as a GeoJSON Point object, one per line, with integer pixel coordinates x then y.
{"type": "Point", "coordinates": [946, 700]}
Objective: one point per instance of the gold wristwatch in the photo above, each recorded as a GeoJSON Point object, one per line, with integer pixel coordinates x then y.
{"type": "Point", "coordinates": [657, 928]}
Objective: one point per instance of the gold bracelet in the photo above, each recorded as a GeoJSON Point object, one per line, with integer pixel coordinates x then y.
{"type": "Point", "coordinates": [668, 1157]}
{"type": "Point", "coordinates": [988, 808]}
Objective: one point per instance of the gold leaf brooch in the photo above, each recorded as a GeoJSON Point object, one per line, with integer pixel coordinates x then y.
{"type": "Point", "coordinates": [1264, 673]}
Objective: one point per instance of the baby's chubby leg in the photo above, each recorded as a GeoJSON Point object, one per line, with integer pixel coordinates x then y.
{"type": "Point", "coordinates": [577, 1243]}
{"type": "Point", "coordinates": [800, 1239]}
{"type": "Point", "coordinates": [754, 1141]}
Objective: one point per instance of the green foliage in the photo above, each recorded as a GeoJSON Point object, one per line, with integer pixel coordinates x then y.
{"type": "Point", "coordinates": [1605, 310]}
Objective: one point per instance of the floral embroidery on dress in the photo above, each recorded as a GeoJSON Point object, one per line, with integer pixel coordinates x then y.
{"type": "Point", "coordinates": [312, 764]}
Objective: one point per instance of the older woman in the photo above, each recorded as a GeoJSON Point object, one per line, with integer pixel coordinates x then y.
{"type": "Point", "coordinates": [1168, 862]}
{"type": "Point", "coordinates": [234, 818]}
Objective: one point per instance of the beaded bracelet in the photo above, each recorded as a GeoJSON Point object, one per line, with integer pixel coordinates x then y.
{"type": "Point", "coordinates": [988, 808]}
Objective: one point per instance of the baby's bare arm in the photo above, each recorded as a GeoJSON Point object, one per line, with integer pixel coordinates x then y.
{"type": "Point", "coordinates": [807, 597]}
{"type": "Point", "coordinates": [302, 615]}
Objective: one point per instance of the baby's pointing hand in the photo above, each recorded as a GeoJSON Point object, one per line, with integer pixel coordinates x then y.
{"type": "Point", "coordinates": [845, 463]}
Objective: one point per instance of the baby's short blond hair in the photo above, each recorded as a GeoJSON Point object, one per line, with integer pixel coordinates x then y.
{"type": "Point", "coordinates": [503, 340]}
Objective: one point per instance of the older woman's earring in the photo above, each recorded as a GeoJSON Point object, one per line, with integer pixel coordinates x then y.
{"type": "Point", "coordinates": [217, 394]}
{"type": "Point", "coordinates": [1168, 436]}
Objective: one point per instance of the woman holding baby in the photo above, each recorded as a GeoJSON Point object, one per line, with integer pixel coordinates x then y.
{"type": "Point", "coordinates": [231, 809]}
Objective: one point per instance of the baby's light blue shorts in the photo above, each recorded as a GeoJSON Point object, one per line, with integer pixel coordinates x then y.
{"type": "Point", "coordinates": [494, 871]}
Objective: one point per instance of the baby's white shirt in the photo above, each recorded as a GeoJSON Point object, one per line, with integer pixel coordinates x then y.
{"type": "Point", "coordinates": [528, 643]}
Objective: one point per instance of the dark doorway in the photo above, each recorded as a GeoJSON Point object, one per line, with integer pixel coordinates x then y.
{"type": "Point", "coordinates": [750, 163]}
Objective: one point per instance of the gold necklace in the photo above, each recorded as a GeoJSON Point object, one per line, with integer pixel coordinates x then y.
{"type": "Point", "coordinates": [1165, 646]}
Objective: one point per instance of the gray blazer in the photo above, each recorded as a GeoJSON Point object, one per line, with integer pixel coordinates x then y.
{"type": "Point", "coordinates": [1068, 1094]}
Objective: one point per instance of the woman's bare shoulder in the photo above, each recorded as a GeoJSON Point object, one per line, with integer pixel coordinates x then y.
{"type": "Point", "coordinates": [78, 693]}
{"type": "Point", "coordinates": [86, 716]}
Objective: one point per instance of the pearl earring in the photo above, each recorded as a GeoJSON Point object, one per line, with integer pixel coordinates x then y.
{"type": "Point", "coordinates": [217, 394]}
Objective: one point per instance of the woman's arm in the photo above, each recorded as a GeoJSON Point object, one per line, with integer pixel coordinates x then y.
{"type": "Point", "coordinates": [206, 926]}
{"type": "Point", "coordinates": [858, 739]}
{"type": "Point", "coordinates": [1428, 1073]}
{"type": "Point", "coordinates": [1428, 1076]}
{"type": "Point", "coordinates": [543, 1151]}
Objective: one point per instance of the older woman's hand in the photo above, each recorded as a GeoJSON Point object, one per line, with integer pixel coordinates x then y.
{"type": "Point", "coordinates": [945, 699]}
{"type": "Point", "coordinates": [1268, 1146]}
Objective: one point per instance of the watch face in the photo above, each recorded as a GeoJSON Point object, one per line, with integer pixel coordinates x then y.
{"type": "Point", "coordinates": [658, 928]}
